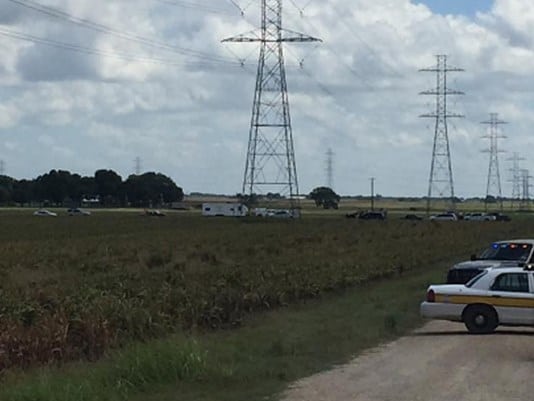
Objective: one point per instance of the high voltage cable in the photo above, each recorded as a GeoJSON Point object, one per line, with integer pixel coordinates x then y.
{"type": "Point", "coordinates": [92, 51]}
{"type": "Point", "coordinates": [56, 13]}
{"type": "Point", "coordinates": [347, 65]}
{"type": "Point", "coordinates": [191, 5]}
{"type": "Point", "coordinates": [367, 46]}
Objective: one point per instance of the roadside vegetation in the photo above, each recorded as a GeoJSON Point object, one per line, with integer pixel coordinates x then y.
{"type": "Point", "coordinates": [75, 289]}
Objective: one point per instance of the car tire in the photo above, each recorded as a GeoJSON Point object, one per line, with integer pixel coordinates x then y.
{"type": "Point", "coordinates": [480, 319]}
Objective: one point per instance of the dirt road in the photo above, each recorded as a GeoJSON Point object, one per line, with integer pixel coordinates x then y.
{"type": "Point", "coordinates": [440, 362]}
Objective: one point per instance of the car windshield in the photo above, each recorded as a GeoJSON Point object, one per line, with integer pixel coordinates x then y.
{"type": "Point", "coordinates": [472, 282]}
{"type": "Point", "coordinates": [507, 251]}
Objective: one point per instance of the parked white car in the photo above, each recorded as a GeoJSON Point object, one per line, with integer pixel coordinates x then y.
{"type": "Point", "coordinates": [444, 217]}
{"type": "Point", "coordinates": [500, 296]}
{"type": "Point", "coordinates": [479, 217]}
{"type": "Point", "coordinates": [44, 213]}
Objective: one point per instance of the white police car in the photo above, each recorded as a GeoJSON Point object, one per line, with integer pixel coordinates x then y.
{"type": "Point", "coordinates": [496, 297]}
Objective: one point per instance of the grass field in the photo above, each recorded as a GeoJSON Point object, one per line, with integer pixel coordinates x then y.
{"type": "Point", "coordinates": [74, 288]}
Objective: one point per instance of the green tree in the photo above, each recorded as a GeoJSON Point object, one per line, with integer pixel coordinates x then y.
{"type": "Point", "coordinates": [56, 186]}
{"type": "Point", "coordinates": [325, 197]}
{"type": "Point", "coordinates": [23, 191]}
{"type": "Point", "coordinates": [108, 185]}
{"type": "Point", "coordinates": [151, 189]}
{"type": "Point", "coordinates": [6, 188]}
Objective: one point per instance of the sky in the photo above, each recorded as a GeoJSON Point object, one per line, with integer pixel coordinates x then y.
{"type": "Point", "coordinates": [458, 7]}
{"type": "Point", "coordinates": [151, 79]}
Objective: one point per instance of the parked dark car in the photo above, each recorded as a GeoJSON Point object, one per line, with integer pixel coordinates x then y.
{"type": "Point", "coordinates": [373, 215]}
{"type": "Point", "coordinates": [499, 254]}
{"type": "Point", "coordinates": [412, 217]}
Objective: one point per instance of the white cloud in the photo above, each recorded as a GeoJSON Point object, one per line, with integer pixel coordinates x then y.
{"type": "Point", "coordinates": [190, 120]}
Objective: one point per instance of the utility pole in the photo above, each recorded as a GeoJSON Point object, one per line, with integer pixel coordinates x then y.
{"type": "Point", "coordinates": [516, 179]}
{"type": "Point", "coordinates": [330, 169]}
{"type": "Point", "coordinates": [441, 183]}
{"type": "Point", "coordinates": [525, 197]}
{"type": "Point", "coordinates": [494, 174]}
{"type": "Point", "coordinates": [372, 179]}
{"type": "Point", "coordinates": [138, 163]}
{"type": "Point", "coordinates": [270, 163]}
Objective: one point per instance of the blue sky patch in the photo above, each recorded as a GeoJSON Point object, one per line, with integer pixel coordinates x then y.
{"type": "Point", "coordinates": [458, 7]}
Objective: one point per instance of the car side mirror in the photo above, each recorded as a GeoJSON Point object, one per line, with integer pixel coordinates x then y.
{"type": "Point", "coordinates": [474, 257]}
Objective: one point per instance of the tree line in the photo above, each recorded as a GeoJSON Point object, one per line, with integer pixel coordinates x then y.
{"type": "Point", "coordinates": [105, 188]}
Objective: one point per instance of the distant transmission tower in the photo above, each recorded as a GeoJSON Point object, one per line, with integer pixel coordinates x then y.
{"type": "Point", "coordinates": [138, 165]}
{"type": "Point", "coordinates": [2, 167]}
{"type": "Point", "coordinates": [330, 169]}
{"type": "Point", "coordinates": [493, 187]}
{"type": "Point", "coordinates": [525, 195]}
{"type": "Point", "coordinates": [516, 179]}
{"type": "Point", "coordinates": [441, 184]}
{"type": "Point", "coordinates": [270, 164]}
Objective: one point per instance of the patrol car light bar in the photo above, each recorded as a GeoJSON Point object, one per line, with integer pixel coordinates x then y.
{"type": "Point", "coordinates": [512, 246]}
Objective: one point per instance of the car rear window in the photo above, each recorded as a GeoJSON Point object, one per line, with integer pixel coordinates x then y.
{"type": "Point", "coordinates": [472, 282]}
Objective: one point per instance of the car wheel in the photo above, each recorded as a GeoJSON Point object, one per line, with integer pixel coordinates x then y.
{"type": "Point", "coordinates": [480, 319]}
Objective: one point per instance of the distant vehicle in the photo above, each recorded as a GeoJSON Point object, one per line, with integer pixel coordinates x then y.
{"type": "Point", "coordinates": [44, 213]}
{"type": "Point", "coordinates": [496, 297]}
{"type": "Point", "coordinates": [499, 254]}
{"type": "Point", "coordinates": [78, 212]}
{"type": "Point", "coordinates": [352, 215]}
{"type": "Point", "coordinates": [224, 210]}
{"type": "Point", "coordinates": [479, 217]}
{"type": "Point", "coordinates": [444, 217]}
{"type": "Point", "coordinates": [373, 215]}
{"type": "Point", "coordinates": [154, 213]}
{"type": "Point", "coordinates": [280, 214]}
{"type": "Point", "coordinates": [500, 216]}
{"type": "Point", "coordinates": [260, 212]}
{"type": "Point", "coordinates": [412, 217]}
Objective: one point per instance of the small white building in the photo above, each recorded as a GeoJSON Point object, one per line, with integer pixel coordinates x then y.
{"type": "Point", "coordinates": [224, 209]}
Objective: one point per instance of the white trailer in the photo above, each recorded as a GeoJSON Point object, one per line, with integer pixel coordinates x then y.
{"type": "Point", "coordinates": [224, 209]}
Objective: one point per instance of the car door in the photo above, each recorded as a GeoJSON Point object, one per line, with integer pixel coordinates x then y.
{"type": "Point", "coordinates": [512, 295]}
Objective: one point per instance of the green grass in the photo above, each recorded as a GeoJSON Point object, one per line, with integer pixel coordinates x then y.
{"type": "Point", "coordinates": [74, 288]}
{"type": "Point", "coordinates": [254, 362]}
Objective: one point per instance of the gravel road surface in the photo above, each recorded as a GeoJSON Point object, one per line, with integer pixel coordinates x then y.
{"type": "Point", "coordinates": [439, 362]}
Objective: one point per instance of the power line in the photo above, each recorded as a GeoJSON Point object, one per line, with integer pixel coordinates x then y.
{"type": "Point", "coordinates": [196, 6]}
{"type": "Point", "coordinates": [60, 14]}
{"type": "Point", "coordinates": [92, 51]}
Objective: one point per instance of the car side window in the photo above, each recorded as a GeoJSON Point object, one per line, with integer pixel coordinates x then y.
{"type": "Point", "coordinates": [511, 282]}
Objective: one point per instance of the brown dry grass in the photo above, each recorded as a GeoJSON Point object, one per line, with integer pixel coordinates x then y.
{"type": "Point", "coordinates": [74, 287]}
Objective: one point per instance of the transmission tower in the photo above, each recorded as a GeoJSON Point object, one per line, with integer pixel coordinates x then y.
{"type": "Point", "coordinates": [516, 179]}
{"type": "Point", "coordinates": [138, 165]}
{"type": "Point", "coordinates": [330, 169]}
{"type": "Point", "coordinates": [493, 187]}
{"type": "Point", "coordinates": [441, 184]}
{"type": "Point", "coordinates": [270, 164]}
{"type": "Point", "coordinates": [525, 195]}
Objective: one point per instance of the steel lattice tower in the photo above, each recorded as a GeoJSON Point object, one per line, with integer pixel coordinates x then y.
{"type": "Point", "coordinates": [525, 195]}
{"type": "Point", "coordinates": [441, 183]}
{"type": "Point", "coordinates": [330, 169]}
{"type": "Point", "coordinates": [516, 178]}
{"type": "Point", "coordinates": [493, 187]}
{"type": "Point", "coordinates": [270, 164]}
{"type": "Point", "coordinates": [137, 166]}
